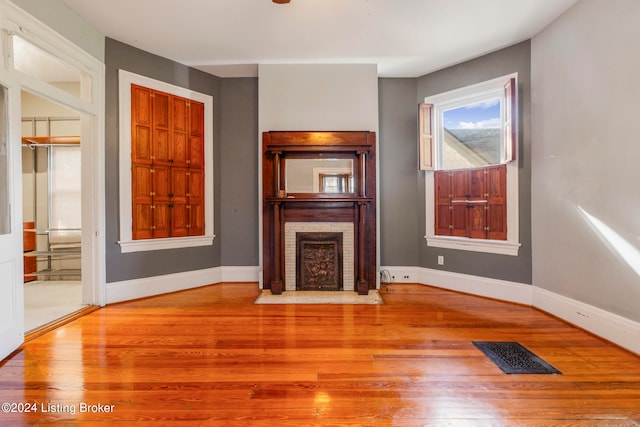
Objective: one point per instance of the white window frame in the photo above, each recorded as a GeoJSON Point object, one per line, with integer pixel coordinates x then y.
{"type": "Point", "coordinates": [453, 99]}
{"type": "Point", "coordinates": [126, 242]}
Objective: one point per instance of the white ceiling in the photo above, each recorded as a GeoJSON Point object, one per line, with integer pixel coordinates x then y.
{"type": "Point", "coordinates": [406, 38]}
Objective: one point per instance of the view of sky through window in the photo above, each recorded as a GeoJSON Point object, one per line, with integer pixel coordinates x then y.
{"type": "Point", "coordinates": [483, 115]}
{"type": "Point", "coordinates": [472, 135]}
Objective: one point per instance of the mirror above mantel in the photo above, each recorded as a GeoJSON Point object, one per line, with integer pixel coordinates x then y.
{"type": "Point", "coordinates": [319, 175]}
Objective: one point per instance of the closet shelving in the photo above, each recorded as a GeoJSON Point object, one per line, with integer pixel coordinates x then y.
{"type": "Point", "coordinates": [53, 258]}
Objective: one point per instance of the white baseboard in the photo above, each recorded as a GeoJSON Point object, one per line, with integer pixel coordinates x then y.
{"type": "Point", "coordinates": [607, 325]}
{"type": "Point", "coordinates": [149, 286]}
{"type": "Point", "coordinates": [240, 274]}
{"type": "Point", "coordinates": [610, 326]}
{"type": "Point", "coordinates": [481, 286]}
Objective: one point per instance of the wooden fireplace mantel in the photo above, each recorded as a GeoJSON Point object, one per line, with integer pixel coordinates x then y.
{"type": "Point", "coordinates": [358, 206]}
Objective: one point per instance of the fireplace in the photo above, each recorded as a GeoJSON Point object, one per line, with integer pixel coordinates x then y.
{"type": "Point", "coordinates": [292, 231]}
{"type": "Point", "coordinates": [321, 185]}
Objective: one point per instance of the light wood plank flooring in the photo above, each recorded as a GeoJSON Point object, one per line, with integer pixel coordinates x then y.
{"type": "Point", "coordinates": [209, 356]}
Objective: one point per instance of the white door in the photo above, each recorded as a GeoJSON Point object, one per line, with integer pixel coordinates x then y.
{"type": "Point", "coordinates": [11, 266]}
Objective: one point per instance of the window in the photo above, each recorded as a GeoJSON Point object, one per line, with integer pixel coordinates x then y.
{"type": "Point", "coordinates": [166, 180]}
{"type": "Point", "coordinates": [335, 183]}
{"type": "Point", "coordinates": [467, 146]}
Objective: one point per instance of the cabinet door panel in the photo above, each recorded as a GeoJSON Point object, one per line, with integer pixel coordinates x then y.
{"type": "Point", "coordinates": [196, 219]}
{"type": "Point", "coordinates": [180, 185]}
{"type": "Point", "coordinates": [142, 221]}
{"type": "Point", "coordinates": [161, 124]}
{"type": "Point", "coordinates": [497, 222]}
{"type": "Point", "coordinates": [142, 185]}
{"type": "Point", "coordinates": [161, 182]}
{"type": "Point", "coordinates": [197, 118]}
{"type": "Point", "coordinates": [477, 220]}
{"type": "Point", "coordinates": [179, 220]}
{"type": "Point", "coordinates": [196, 135]}
{"type": "Point", "coordinates": [459, 185]}
{"type": "Point", "coordinates": [497, 202]}
{"type": "Point", "coordinates": [180, 130]}
{"type": "Point", "coordinates": [180, 114]}
{"type": "Point", "coordinates": [442, 185]}
{"type": "Point", "coordinates": [161, 220]}
{"type": "Point", "coordinates": [140, 105]}
{"type": "Point", "coordinates": [140, 124]}
{"type": "Point", "coordinates": [476, 184]}
{"type": "Point", "coordinates": [459, 220]}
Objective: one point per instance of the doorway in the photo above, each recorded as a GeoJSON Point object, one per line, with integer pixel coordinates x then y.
{"type": "Point", "coordinates": [52, 206]}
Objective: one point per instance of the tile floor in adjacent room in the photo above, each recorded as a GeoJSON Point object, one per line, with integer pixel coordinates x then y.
{"type": "Point", "coordinates": [47, 300]}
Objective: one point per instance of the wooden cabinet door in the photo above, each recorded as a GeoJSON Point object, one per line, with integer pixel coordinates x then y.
{"type": "Point", "coordinates": [161, 201]}
{"type": "Point", "coordinates": [180, 131]}
{"type": "Point", "coordinates": [161, 128]}
{"type": "Point", "coordinates": [179, 202]}
{"type": "Point", "coordinates": [196, 135]}
{"type": "Point", "coordinates": [497, 202]}
{"type": "Point", "coordinates": [141, 150]}
{"type": "Point", "coordinates": [476, 220]}
{"type": "Point", "coordinates": [442, 185]}
{"type": "Point", "coordinates": [196, 202]}
{"type": "Point", "coordinates": [142, 189]}
{"type": "Point", "coordinates": [476, 184]}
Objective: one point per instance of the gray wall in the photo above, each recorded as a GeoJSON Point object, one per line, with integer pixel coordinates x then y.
{"type": "Point", "coordinates": [509, 60]}
{"type": "Point", "coordinates": [400, 197]}
{"type": "Point", "coordinates": [238, 220]}
{"type": "Point", "coordinates": [153, 263]}
{"type": "Point", "coordinates": [585, 156]}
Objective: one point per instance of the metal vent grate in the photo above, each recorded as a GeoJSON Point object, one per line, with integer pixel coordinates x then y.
{"type": "Point", "coordinates": [513, 358]}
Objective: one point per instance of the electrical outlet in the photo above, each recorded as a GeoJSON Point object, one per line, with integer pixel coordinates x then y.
{"type": "Point", "coordinates": [440, 260]}
{"type": "Point", "coordinates": [403, 275]}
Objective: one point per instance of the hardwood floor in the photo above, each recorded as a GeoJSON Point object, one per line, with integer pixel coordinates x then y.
{"type": "Point", "coordinates": [209, 356]}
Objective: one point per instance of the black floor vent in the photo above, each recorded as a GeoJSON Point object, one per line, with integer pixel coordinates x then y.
{"type": "Point", "coordinates": [513, 358]}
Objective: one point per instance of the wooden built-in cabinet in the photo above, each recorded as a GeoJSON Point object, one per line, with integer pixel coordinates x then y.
{"type": "Point", "coordinates": [357, 204]}
{"type": "Point", "coordinates": [471, 203]}
{"type": "Point", "coordinates": [167, 157]}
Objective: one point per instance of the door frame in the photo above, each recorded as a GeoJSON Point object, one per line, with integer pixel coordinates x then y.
{"type": "Point", "coordinates": [91, 108]}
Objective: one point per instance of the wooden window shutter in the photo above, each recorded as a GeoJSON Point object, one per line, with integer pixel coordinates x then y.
{"type": "Point", "coordinates": [442, 184]}
{"type": "Point", "coordinates": [471, 203]}
{"type": "Point", "coordinates": [167, 158]}
{"type": "Point", "coordinates": [497, 202]}
{"type": "Point", "coordinates": [510, 120]}
{"type": "Point", "coordinates": [425, 136]}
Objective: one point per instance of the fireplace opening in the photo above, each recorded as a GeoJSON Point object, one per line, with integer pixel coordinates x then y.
{"type": "Point", "coordinates": [319, 261]}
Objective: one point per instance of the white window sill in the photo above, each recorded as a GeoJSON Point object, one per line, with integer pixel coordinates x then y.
{"type": "Point", "coordinates": [501, 247]}
{"type": "Point", "coordinates": [169, 243]}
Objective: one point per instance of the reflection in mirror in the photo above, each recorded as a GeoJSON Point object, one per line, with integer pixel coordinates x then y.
{"type": "Point", "coordinates": [319, 175]}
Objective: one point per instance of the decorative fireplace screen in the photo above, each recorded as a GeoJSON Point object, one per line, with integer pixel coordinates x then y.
{"type": "Point", "coordinates": [319, 261]}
